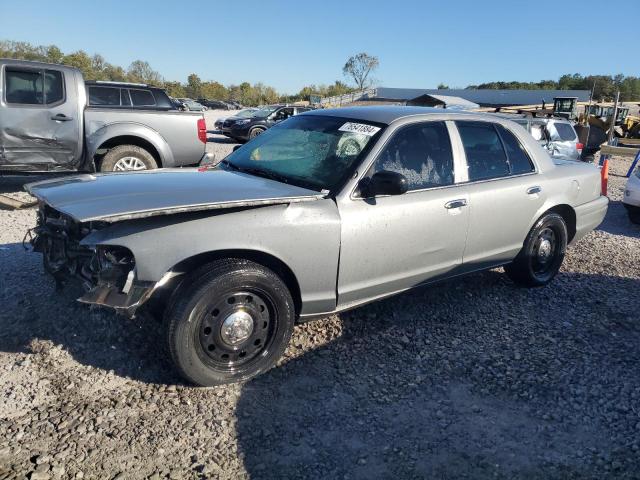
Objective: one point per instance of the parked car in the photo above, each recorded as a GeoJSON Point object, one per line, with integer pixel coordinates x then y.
{"type": "Point", "coordinates": [215, 104]}
{"type": "Point", "coordinates": [243, 129]}
{"type": "Point", "coordinates": [246, 113]}
{"type": "Point", "coordinates": [192, 105]}
{"type": "Point", "coordinates": [556, 135]}
{"type": "Point", "coordinates": [50, 120]}
{"type": "Point", "coordinates": [631, 199]}
{"type": "Point", "coordinates": [291, 227]}
{"type": "Point", "coordinates": [178, 105]}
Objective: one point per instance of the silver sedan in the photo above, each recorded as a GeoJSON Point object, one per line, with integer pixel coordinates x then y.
{"type": "Point", "coordinates": [324, 212]}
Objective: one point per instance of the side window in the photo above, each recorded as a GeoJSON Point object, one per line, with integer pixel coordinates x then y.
{"type": "Point", "coordinates": [519, 160]}
{"type": "Point", "coordinates": [53, 86]}
{"type": "Point", "coordinates": [486, 157]}
{"type": "Point", "coordinates": [566, 133]}
{"type": "Point", "coordinates": [142, 98]}
{"type": "Point", "coordinates": [422, 153]}
{"type": "Point", "coordinates": [125, 101]}
{"type": "Point", "coordinates": [23, 86]}
{"type": "Point", "coordinates": [104, 96]}
{"type": "Point", "coordinates": [33, 87]}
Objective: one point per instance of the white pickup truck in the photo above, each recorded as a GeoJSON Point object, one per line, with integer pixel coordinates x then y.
{"type": "Point", "coordinates": [52, 120]}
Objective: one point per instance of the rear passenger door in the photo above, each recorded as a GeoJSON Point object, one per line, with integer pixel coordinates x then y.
{"type": "Point", "coordinates": [40, 119]}
{"type": "Point", "coordinates": [504, 189]}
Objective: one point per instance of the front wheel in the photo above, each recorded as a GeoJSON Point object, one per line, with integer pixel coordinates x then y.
{"type": "Point", "coordinates": [255, 132]}
{"type": "Point", "coordinates": [542, 253]}
{"type": "Point", "coordinates": [229, 321]}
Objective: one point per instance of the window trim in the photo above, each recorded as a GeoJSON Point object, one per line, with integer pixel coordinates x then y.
{"type": "Point", "coordinates": [41, 72]}
{"type": "Point", "coordinates": [456, 164]}
{"type": "Point", "coordinates": [494, 179]}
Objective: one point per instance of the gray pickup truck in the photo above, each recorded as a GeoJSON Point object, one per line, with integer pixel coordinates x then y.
{"type": "Point", "coordinates": [50, 120]}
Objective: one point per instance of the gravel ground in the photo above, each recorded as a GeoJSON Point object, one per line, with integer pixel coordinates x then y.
{"type": "Point", "coordinates": [473, 378]}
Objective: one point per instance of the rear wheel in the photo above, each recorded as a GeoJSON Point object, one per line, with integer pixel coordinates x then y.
{"type": "Point", "coordinates": [542, 253]}
{"type": "Point", "coordinates": [124, 158]}
{"type": "Point", "coordinates": [228, 322]}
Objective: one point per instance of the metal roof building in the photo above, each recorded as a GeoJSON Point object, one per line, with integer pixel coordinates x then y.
{"type": "Point", "coordinates": [484, 98]}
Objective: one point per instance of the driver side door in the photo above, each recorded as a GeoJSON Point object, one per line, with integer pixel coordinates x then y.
{"type": "Point", "coordinates": [393, 243]}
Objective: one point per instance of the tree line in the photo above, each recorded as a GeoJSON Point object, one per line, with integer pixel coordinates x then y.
{"type": "Point", "coordinates": [358, 68]}
{"type": "Point", "coordinates": [95, 67]}
{"type": "Point", "coordinates": [604, 86]}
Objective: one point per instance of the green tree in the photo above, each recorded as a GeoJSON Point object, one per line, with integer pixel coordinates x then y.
{"type": "Point", "coordinates": [141, 72]}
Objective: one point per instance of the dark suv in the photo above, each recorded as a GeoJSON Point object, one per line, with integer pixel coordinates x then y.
{"type": "Point", "coordinates": [127, 95]}
{"type": "Point", "coordinates": [246, 128]}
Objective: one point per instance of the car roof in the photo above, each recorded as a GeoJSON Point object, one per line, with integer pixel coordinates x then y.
{"type": "Point", "coordinates": [528, 118]}
{"type": "Point", "coordinates": [390, 113]}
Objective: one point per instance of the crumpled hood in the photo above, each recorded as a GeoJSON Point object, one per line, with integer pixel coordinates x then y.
{"type": "Point", "coordinates": [121, 196]}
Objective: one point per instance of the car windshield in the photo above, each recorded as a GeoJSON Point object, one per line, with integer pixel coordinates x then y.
{"type": "Point", "coordinates": [264, 111]}
{"type": "Point", "coordinates": [310, 151]}
{"type": "Point", "coordinates": [249, 112]}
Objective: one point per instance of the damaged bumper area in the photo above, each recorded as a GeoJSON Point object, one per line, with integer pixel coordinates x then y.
{"type": "Point", "coordinates": [107, 273]}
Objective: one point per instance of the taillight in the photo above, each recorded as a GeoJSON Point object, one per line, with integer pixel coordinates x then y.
{"type": "Point", "coordinates": [202, 130]}
{"type": "Point", "coordinates": [604, 177]}
{"type": "Point", "coordinates": [579, 146]}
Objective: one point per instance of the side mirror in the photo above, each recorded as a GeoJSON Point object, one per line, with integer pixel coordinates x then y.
{"type": "Point", "coordinates": [235, 147]}
{"type": "Point", "coordinates": [386, 182]}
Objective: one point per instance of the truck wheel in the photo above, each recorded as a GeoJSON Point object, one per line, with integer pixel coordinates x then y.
{"type": "Point", "coordinates": [229, 321]}
{"type": "Point", "coordinates": [542, 254]}
{"type": "Point", "coordinates": [125, 158]}
{"type": "Point", "coordinates": [255, 132]}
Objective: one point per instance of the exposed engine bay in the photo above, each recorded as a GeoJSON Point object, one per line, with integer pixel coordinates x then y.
{"type": "Point", "coordinates": [106, 273]}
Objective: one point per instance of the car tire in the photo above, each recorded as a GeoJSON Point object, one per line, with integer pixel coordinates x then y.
{"type": "Point", "coordinates": [228, 322]}
{"type": "Point", "coordinates": [254, 132]}
{"type": "Point", "coordinates": [127, 158]}
{"type": "Point", "coordinates": [634, 214]}
{"type": "Point", "coordinates": [542, 253]}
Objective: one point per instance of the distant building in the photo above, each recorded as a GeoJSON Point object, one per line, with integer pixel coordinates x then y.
{"type": "Point", "coordinates": [451, 98]}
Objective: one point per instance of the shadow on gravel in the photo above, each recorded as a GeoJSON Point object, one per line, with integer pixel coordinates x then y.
{"type": "Point", "coordinates": [468, 379]}
{"type": "Point", "coordinates": [33, 310]}
{"type": "Point", "coordinates": [617, 221]}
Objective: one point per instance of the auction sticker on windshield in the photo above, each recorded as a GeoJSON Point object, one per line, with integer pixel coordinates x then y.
{"type": "Point", "coordinates": [368, 130]}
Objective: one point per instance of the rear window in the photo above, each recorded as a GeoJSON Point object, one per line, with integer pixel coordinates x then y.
{"type": "Point", "coordinates": [566, 133]}
{"type": "Point", "coordinates": [142, 98]}
{"type": "Point", "coordinates": [101, 96]}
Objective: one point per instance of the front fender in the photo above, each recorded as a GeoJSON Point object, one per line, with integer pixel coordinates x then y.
{"type": "Point", "coordinates": [106, 132]}
{"type": "Point", "coordinates": [304, 236]}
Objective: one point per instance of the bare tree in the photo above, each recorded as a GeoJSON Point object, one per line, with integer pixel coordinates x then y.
{"type": "Point", "coordinates": [359, 67]}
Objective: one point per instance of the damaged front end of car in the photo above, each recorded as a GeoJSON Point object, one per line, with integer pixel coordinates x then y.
{"type": "Point", "coordinates": [107, 273]}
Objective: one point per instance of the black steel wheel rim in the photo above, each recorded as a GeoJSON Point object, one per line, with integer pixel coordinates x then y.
{"type": "Point", "coordinates": [545, 251]}
{"type": "Point", "coordinates": [218, 352]}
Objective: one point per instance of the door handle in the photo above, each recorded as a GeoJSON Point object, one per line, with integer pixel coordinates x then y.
{"type": "Point", "coordinates": [461, 202]}
{"type": "Point", "coordinates": [61, 117]}
{"type": "Point", "coordinates": [534, 190]}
